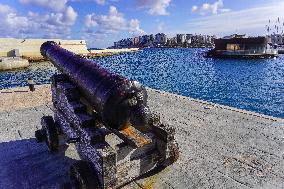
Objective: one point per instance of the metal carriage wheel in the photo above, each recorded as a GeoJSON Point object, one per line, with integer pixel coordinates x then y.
{"type": "Point", "coordinates": [48, 133]}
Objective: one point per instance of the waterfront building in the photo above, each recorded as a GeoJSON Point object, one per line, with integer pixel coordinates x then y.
{"type": "Point", "coordinates": [136, 41]}
{"type": "Point", "coordinates": [142, 40]}
{"type": "Point", "coordinates": [181, 38]}
{"type": "Point", "coordinates": [242, 47]}
{"type": "Point", "coordinates": [145, 41]}
{"type": "Point", "coordinates": [202, 39]}
{"type": "Point", "coordinates": [152, 38]}
{"type": "Point", "coordinates": [172, 42]}
{"type": "Point", "coordinates": [194, 40]}
{"type": "Point", "coordinates": [197, 40]}
{"type": "Point", "coordinates": [189, 38]}
{"type": "Point", "coordinates": [160, 39]}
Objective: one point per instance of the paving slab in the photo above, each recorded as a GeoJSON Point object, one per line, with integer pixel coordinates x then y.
{"type": "Point", "coordinates": [220, 146]}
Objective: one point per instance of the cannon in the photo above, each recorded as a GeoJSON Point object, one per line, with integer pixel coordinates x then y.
{"type": "Point", "coordinates": [106, 117]}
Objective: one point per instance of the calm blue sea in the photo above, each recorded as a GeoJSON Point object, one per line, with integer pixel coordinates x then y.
{"type": "Point", "coordinates": [255, 85]}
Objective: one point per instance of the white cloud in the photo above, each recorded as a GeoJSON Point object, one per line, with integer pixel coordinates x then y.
{"type": "Point", "coordinates": [69, 16]}
{"type": "Point", "coordinates": [102, 30]}
{"type": "Point", "coordinates": [194, 8]}
{"type": "Point", "coordinates": [111, 23]}
{"type": "Point", "coordinates": [90, 20]}
{"type": "Point", "coordinates": [100, 2]}
{"type": "Point", "coordinates": [15, 21]}
{"type": "Point", "coordinates": [134, 27]}
{"type": "Point", "coordinates": [4, 9]}
{"type": "Point", "coordinates": [213, 8]}
{"type": "Point", "coordinates": [55, 5]}
{"type": "Point", "coordinates": [47, 25]}
{"type": "Point", "coordinates": [155, 7]}
{"type": "Point", "coordinates": [251, 21]}
{"type": "Point", "coordinates": [160, 26]}
{"type": "Point", "coordinates": [224, 10]}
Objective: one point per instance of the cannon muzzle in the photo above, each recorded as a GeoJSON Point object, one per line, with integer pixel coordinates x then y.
{"type": "Point", "coordinates": [117, 100]}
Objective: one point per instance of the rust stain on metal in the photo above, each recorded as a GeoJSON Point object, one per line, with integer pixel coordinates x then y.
{"type": "Point", "coordinates": [133, 134]}
{"type": "Point", "coordinates": [176, 153]}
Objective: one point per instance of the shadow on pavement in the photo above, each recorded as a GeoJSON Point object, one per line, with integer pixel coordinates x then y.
{"type": "Point", "coordinates": [27, 164]}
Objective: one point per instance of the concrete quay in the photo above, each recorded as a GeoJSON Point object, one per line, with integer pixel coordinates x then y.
{"type": "Point", "coordinates": [9, 63]}
{"type": "Point", "coordinates": [220, 146]}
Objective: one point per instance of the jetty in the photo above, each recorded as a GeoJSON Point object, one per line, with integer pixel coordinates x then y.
{"type": "Point", "coordinates": [220, 146]}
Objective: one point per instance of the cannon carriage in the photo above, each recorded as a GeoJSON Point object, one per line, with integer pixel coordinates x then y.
{"type": "Point", "coordinates": [106, 116]}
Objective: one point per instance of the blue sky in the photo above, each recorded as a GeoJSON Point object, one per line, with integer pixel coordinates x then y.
{"type": "Point", "coordinates": [101, 22]}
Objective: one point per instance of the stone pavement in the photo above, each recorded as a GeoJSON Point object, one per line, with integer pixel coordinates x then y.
{"type": "Point", "coordinates": [220, 146]}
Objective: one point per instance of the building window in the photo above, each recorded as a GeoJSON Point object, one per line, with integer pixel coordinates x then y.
{"type": "Point", "coordinates": [233, 47]}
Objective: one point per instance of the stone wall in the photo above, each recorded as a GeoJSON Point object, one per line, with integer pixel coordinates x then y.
{"type": "Point", "coordinates": [30, 48]}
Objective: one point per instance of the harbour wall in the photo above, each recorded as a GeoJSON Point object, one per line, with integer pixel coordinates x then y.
{"type": "Point", "coordinates": [30, 48]}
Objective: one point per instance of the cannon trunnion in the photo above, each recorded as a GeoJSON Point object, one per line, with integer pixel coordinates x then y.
{"type": "Point", "coordinates": [112, 155]}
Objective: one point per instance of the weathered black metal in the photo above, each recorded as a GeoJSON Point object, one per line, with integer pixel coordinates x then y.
{"type": "Point", "coordinates": [110, 158]}
{"type": "Point", "coordinates": [116, 99]}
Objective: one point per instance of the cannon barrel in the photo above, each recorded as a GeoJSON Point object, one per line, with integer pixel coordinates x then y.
{"type": "Point", "coordinates": [117, 100]}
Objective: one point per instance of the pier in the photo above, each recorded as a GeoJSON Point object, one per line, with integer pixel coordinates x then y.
{"type": "Point", "coordinates": [220, 146]}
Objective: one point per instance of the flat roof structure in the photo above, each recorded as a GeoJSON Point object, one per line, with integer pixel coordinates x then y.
{"type": "Point", "coordinates": [247, 43]}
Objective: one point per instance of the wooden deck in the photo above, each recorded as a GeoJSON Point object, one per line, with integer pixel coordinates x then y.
{"type": "Point", "coordinates": [220, 147]}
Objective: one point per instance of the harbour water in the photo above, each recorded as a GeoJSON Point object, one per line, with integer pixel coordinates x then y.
{"type": "Point", "coordinates": [255, 85]}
